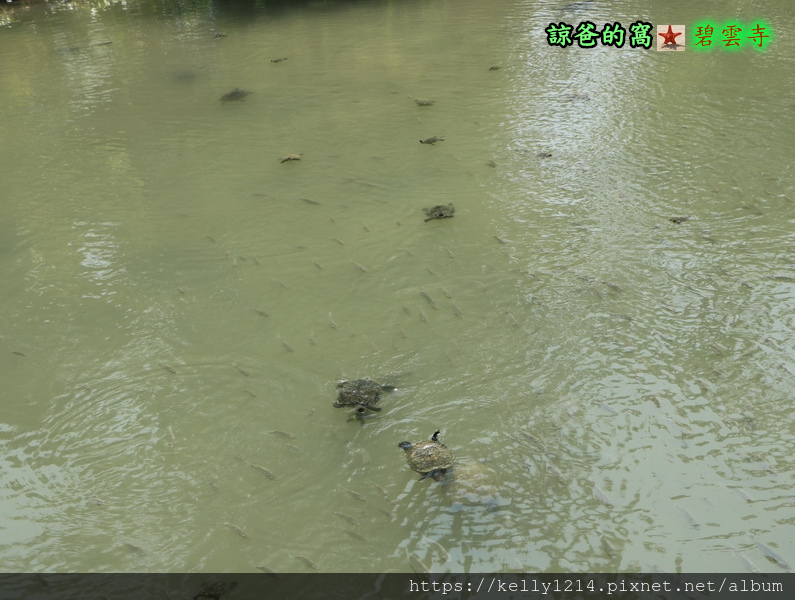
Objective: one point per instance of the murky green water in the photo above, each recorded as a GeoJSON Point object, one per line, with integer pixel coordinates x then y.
{"type": "Point", "coordinates": [623, 384]}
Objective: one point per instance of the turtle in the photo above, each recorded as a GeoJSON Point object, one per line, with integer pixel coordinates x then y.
{"type": "Point", "coordinates": [289, 157]}
{"type": "Point", "coordinates": [678, 220]}
{"type": "Point", "coordinates": [432, 140]}
{"type": "Point", "coordinates": [235, 94]}
{"type": "Point", "coordinates": [362, 394]}
{"type": "Point", "coordinates": [425, 102]}
{"type": "Point", "coordinates": [440, 211]}
{"type": "Point", "coordinates": [214, 589]}
{"type": "Point", "coordinates": [432, 459]}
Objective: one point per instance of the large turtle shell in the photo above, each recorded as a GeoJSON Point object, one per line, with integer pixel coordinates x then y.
{"type": "Point", "coordinates": [425, 457]}
{"type": "Point", "coordinates": [363, 391]}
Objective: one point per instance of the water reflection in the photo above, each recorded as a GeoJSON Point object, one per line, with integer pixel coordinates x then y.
{"type": "Point", "coordinates": [607, 379]}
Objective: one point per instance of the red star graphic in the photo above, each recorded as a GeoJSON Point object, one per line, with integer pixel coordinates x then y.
{"type": "Point", "coordinates": [670, 37]}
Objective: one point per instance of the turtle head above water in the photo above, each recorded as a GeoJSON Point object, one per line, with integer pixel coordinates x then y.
{"type": "Point", "coordinates": [435, 436]}
{"type": "Point", "coordinates": [405, 446]}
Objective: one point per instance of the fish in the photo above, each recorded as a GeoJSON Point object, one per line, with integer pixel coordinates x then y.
{"type": "Point", "coordinates": [278, 60]}
{"type": "Point", "coordinates": [331, 322]}
{"type": "Point", "coordinates": [773, 555]}
{"type": "Point", "coordinates": [608, 547]}
{"type": "Point", "coordinates": [360, 267]}
{"type": "Point", "coordinates": [620, 315]}
{"type": "Point", "coordinates": [481, 286]}
{"type": "Point", "coordinates": [168, 368]}
{"type": "Point", "coordinates": [500, 240]}
{"type": "Point", "coordinates": [612, 286]}
{"type": "Point", "coordinates": [742, 493]}
{"type": "Point", "coordinates": [402, 333]}
{"type": "Point", "coordinates": [211, 238]}
{"type": "Point", "coordinates": [366, 228]}
{"type": "Point", "coordinates": [283, 434]}
{"type": "Point", "coordinates": [267, 472]}
{"type": "Point", "coordinates": [716, 348]}
{"type": "Point", "coordinates": [133, 548]}
{"type": "Point", "coordinates": [381, 489]}
{"type": "Point", "coordinates": [250, 393]}
{"type": "Point", "coordinates": [238, 530]}
{"type": "Point", "coordinates": [608, 408]}
{"type": "Point", "coordinates": [747, 562]}
{"type": "Point", "coordinates": [445, 292]}
{"type": "Point", "coordinates": [690, 518]}
{"type": "Point", "coordinates": [344, 517]}
{"type": "Point", "coordinates": [600, 495]}
{"type": "Point", "coordinates": [265, 569]}
{"type": "Point", "coordinates": [339, 241]}
{"type": "Point", "coordinates": [308, 562]}
{"type": "Point", "coordinates": [256, 261]}
{"type": "Point", "coordinates": [511, 320]}
{"type": "Point", "coordinates": [450, 253]}
{"type": "Point", "coordinates": [457, 311]}
{"type": "Point", "coordinates": [406, 309]}
{"type": "Point", "coordinates": [357, 536]}
{"type": "Point", "coordinates": [317, 264]}
{"type": "Point", "coordinates": [423, 316]}
{"type": "Point", "coordinates": [430, 300]}
{"type": "Point", "coordinates": [416, 564]}
{"type": "Point", "coordinates": [243, 372]}
{"type": "Point", "coordinates": [310, 201]}
{"type": "Point", "coordinates": [259, 312]}
{"type": "Point", "coordinates": [312, 338]}
{"type": "Point", "coordinates": [18, 353]}
{"type": "Point", "coordinates": [355, 495]}
{"type": "Point", "coordinates": [440, 550]}
{"type": "Point", "coordinates": [285, 345]}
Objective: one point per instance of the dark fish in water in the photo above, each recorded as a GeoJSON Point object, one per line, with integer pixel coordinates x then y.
{"type": "Point", "coordinates": [331, 322]}
{"type": "Point", "coordinates": [267, 472]}
{"type": "Point", "coordinates": [211, 238]}
{"type": "Point", "coordinates": [773, 555]}
{"type": "Point", "coordinates": [250, 393]}
{"type": "Point", "coordinates": [423, 316]}
{"type": "Point", "coordinates": [308, 562]}
{"type": "Point", "coordinates": [416, 564]}
{"type": "Point", "coordinates": [500, 240]}
{"type": "Point", "coordinates": [18, 353]}
{"type": "Point", "coordinates": [265, 569]}
{"type": "Point", "coordinates": [355, 495]}
{"type": "Point", "coordinates": [608, 547]}
{"type": "Point", "coordinates": [440, 550]}
{"type": "Point", "coordinates": [285, 345]}
{"type": "Point", "coordinates": [356, 536]}
{"type": "Point", "coordinates": [386, 513]}
{"type": "Point", "coordinates": [690, 518]}
{"type": "Point", "coordinates": [238, 530]}
{"type": "Point", "coordinates": [511, 320]}
{"type": "Point", "coordinates": [494, 68]}
{"type": "Point", "coordinates": [168, 368]}
{"type": "Point", "coordinates": [103, 43]}
{"type": "Point", "coordinates": [278, 60]}
{"type": "Point", "coordinates": [445, 292]}
{"type": "Point", "coordinates": [430, 300]}
{"type": "Point", "coordinates": [339, 241]}
{"type": "Point", "coordinates": [241, 371]}
{"type": "Point", "coordinates": [345, 517]}
{"type": "Point", "coordinates": [234, 95]}
{"type": "Point", "coordinates": [431, 140]}
{"type": "Point", "coordinates": [133, 548]}
{"type": "Point", "coordinates": [742, 493]}
{"type": "Point", "coordinates": [600, 495]}
{"type": "Point", "coordinates": [261, 313]}
{"type": "Point", "coordinates": [283, 434]}
{"type": "Point", "coordinates": [747, 562]}
{"type": "Point", "coordinates": [310, 201]}
{"type": "Point", "coordinates": [318, 265]}
{"type": "Point", "coordinates": [360, 267]}
{"type": "Point", "coordinates": [612, 286]}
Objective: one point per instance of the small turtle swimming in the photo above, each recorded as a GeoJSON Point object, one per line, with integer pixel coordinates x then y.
{"type": "Point", "coordinates": [234, 95]}
{"type": "Point", "coordinates": [678, 220]}
{"type": "Point", "coordinates": [440, 211]}
{"type": "Point", "coordinates": [431, 140]}
{"type": "Point", "coordinates": [432, 459]}
{"type": "Point", "coordinates": [362, 394]}
{"type": "Point", "coordinates": [289, 157]}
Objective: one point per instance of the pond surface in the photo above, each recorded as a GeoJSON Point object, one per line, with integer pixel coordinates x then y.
{"type": "Point", "coordinates": [178, 305]}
